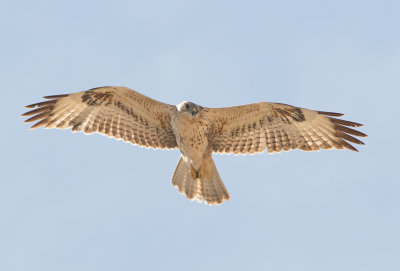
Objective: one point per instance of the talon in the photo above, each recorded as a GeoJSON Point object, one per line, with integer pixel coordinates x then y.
{"type": "Point", "coordinates": [200, 173]}
{"type": "Point", "coordinates": [194, 173]}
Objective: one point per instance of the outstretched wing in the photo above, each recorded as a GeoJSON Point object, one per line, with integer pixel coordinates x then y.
{"type": "Point", "coordinates": [255, 127]}
{"type": "Point", "coordinates": [118, 112]}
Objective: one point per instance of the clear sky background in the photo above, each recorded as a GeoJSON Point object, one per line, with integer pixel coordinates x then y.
{"type": "Point", "coordinates": [75, 202]}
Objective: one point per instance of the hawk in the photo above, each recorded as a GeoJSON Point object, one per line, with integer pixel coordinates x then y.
{"type": "Point", "coordinates": [196, 131]}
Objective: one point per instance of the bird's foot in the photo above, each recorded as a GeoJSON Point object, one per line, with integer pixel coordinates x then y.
{"type": "Point", "coordinates": [196, 174]}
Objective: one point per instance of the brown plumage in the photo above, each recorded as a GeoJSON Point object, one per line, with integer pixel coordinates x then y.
{"type": "Point", "coordinates": [196, 131]}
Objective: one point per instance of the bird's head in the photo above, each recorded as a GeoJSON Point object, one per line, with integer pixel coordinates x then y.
{"type": "Point", "coordinates": [189, 107]}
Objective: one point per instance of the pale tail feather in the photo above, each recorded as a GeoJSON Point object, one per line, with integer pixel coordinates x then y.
{"type": "Point", "coordinates": [209, 188]}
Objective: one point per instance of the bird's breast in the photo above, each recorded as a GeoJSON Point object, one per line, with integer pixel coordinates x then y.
{"type": "Point", "coordinates": [191, 136]}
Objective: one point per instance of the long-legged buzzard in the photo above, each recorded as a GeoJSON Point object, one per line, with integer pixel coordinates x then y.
{"type": "Point", "coordinates": [196, 131]}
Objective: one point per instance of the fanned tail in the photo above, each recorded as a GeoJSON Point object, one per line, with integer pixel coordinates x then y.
{"type": "Point", "coordinates": [208, 187]}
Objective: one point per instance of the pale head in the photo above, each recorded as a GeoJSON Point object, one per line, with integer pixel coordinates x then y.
{"type": "Point", "coordinates": [188, 107]}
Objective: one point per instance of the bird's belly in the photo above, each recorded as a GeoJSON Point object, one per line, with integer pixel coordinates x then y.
{"type": "Point", "coordinates": [192, 141]}
{"type": "Point", "coordinates": [192, 145]}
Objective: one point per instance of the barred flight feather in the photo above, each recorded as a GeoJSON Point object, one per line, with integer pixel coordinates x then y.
{"type": "Point", "coordinates": [113, 111]}
{"type": "Point", "coordinates": [284, 127]}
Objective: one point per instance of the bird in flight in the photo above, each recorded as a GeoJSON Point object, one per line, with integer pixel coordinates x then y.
{"type": "Point", "coordinates": [196, 131]}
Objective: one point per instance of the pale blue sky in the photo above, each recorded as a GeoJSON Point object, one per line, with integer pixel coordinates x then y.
{"type": "Point", "coordinates": [75, 202]}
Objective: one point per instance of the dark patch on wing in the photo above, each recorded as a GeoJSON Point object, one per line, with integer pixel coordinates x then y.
{"type": "Point", "coordinates": [294, 113]}
{"type": "Point", "coordinates": [235, 132]}
{"type": "Point", "coordinates": [298, 115]}
{"type": "Point", "coordinates": [94, 98]}
{"type": "Point", "coordinates": [131, 113]}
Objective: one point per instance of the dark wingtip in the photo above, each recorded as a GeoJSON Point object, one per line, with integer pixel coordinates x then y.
{"type": "Point", "coordinates": [363, 135]}
{"type": "Point", "coordinates": [41, 104]}
{"type": "Point", "coordinates": [55, 96]}
{"type": "Point", "coordinates": [349, 146]}
{"type": "Point", "coordinates": [100, 87]}
{"type": "Point", "coordinates": [333, 114]}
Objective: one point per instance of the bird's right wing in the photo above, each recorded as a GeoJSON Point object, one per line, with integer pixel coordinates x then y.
{"type": "Point", "coordinates": [117, 112]}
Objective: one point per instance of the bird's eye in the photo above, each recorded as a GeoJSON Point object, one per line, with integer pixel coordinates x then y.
{"type": "Point", "coordinates": [187, 106]}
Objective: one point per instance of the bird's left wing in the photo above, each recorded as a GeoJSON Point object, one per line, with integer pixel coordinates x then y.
{"type": "Point", "coordinates": [118, 112]}
{"type": "Point", "coordinates": [276, 127]}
